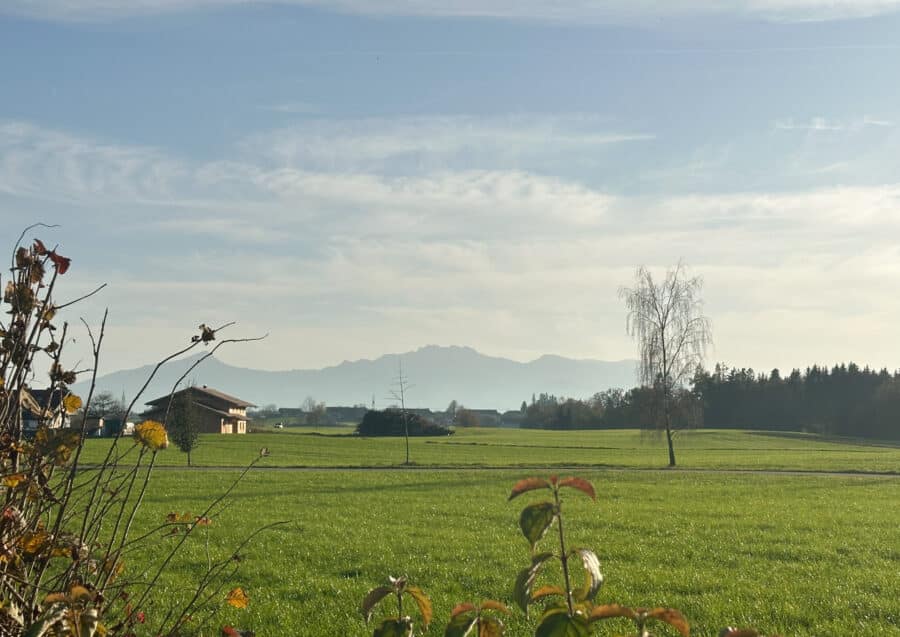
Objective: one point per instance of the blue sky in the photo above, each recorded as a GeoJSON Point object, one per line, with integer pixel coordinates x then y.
{"type": "Point", "coordinates": [357, 178]}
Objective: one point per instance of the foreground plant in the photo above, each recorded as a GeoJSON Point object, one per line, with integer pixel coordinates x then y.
{"type": "Point", "coordinates": [469, 620]}
{"type": "Point", "coordinates": [65, 529]}
{"type": "Point", "coordinates": [400, 625]}
{"type": "Point", "coordinates": [569, 611]}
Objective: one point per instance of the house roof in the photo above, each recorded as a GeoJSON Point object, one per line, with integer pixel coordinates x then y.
{"type": "Point", "coordinates": [215, 393]}
{"type": "Point", "coordinates": [220, 412]}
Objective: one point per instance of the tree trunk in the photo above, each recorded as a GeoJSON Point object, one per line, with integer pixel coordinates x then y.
{"type": "Point", "coordinates": [189, 457]}
{"type": "Point", "coordinates": [669, 440]}
{"type": "Point", "coordinates": [668, 426]}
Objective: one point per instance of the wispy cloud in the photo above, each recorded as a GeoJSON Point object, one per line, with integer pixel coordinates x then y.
{"type": "Point", "coordinates": [425, 144]}
{"type": "Point", "coordinates": [822, 124]}
{"type": "Point", "coordinates": [487, 257]}
{"type": "Point", "coordinates": [599, 11]}
{"type": "Point", "coordinates": [291, 108]}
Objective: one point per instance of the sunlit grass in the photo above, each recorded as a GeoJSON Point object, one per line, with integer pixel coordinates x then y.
{"type": "Point", "coordinates": [710, 449]}
{"type": "Point", "coordinates": [800, 555]}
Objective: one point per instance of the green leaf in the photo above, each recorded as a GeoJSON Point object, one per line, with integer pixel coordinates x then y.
{"type": "Point", "coordinates": [422, 602]}
{"type": "Point", "coordinates": [491, 627]}
{"type": "Point", "coordinates": [535, 519]}
{"type": "Point", "coordinates": [525, 580]}
{"type": "Point", "coordinates": [373, 597]}
{"type": "Point", "coordinates": [581, 484]}
{"type": "Point", "coordinates": [394, 628]}
{"type": "Point", "coordinates": [461, 625]}
{"type": "Point", "coordinates": [528, 484]}
{"type": "Point", "coordinates": [593, 578]}
{"type": "Point", "coordinates": [561, 624]}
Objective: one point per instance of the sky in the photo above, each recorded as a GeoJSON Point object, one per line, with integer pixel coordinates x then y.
{"type": "Point", "coordinates": [361, 177]}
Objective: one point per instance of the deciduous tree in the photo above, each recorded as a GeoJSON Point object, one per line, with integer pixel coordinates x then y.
{"type": "Point", "coordinates": [667, 321]}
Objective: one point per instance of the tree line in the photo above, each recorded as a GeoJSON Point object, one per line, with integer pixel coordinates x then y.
{"type": "Point", "coordinates": [845, 400]}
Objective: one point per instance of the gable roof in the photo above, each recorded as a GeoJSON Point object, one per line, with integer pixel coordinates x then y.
{"type": "Point", "coordinates": [214, 393]}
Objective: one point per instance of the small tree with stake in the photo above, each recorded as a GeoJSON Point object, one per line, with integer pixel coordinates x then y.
{"type": "Point", "coordinates": [667, 321]}
{"type": "Point", "coordinates": [182, 423]}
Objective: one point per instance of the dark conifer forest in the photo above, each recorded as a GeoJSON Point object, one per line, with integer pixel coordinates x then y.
{"type": "Point", "coordinates": [846, 400]}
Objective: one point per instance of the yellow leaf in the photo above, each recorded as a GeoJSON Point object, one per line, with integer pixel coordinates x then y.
{"type": "Point", "coordinates": [55, 598]}
{"type": "Point", "coordinates": [33, 542]}
{"type": "Point", "coordinates": [61, 551]}
{"type": "Point", "coordinates": [152, 435]}
{"type": "Point", "coordinates": [237, 598]}
{"type": "Point", "coordinates": [72, 403]}
{"type": "Point", "coordinates": [13, 480]}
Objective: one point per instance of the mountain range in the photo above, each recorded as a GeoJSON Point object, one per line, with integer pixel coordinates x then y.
{"type": "Point", "coordinates": [435, 376]}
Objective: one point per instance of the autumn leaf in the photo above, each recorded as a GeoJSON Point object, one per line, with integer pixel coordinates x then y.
{"type": "Point", "coordinates": [33, 542]}
{"type": "Point", "coordinates": [62, 263]}
{"type": "Point", "coordinates": [581, 484]}
{"type": "Point", "coordinates": [237, 598]}
{"type": "Point", "coordinates": [152, 435]}
{"type": "Point", "coordinates": [72, 403]}
{"type": "Point", "coordinates": [527, 484]}
{"type": "Point", "coordinates": [13, 480]}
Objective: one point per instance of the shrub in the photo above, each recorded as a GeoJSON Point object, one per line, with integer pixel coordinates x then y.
{"type": "Point", "coordinates": [65, 529]}
{"type": "Point", "coordinates": [390, 422]}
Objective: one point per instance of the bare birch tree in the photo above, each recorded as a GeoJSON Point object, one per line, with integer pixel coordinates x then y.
{"type": "Point", "coordinates": [398, 392]}
{"type": "Point", "coordinates": [666, 319]}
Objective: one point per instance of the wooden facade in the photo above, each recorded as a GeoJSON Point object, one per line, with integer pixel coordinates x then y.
{"type": "Point", "coordinates": [216, 412]}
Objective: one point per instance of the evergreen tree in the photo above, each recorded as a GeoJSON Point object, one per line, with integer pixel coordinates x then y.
{"type": "Point", "coordinates": [182, 423]}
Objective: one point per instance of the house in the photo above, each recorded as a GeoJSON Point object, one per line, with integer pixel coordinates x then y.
{"type": "Point", "coordinates": [338, 415]}
{"type": "Point", "coordinates": [217, 412]}
{"type": "Point", "coordinates": [46, 409]}
{"type": "Point", "coordinates": [487, 417]}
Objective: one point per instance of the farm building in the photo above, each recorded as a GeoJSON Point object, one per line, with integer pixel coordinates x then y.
{"type": "Point", "coordinates": [217, 412]}
{"type": "Point", "coordinates": [43, 408]}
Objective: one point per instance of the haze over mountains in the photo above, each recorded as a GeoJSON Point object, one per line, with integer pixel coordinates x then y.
{"type": "Point", "coordinates": [436, 376]}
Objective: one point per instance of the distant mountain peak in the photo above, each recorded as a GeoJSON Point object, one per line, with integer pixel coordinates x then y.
{"type": "Point", "coordinates": [439, 373]}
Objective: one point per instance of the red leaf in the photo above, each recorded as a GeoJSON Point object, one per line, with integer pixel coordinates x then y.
{"type": "Point", "coordinates": [62, 263]}
{"type": "Point", "coordinates": [39, 247]}
{"type": "Point", "coordinates": [528, 484]}
{"type": "Point", "coordinates": [673, 618]}
{"type": "Point", "coordinates": [611, 610]}
{"type": "Point", "coordinates": [581, 484]}
{"type": "Point", "coordinates": [465, 607]}
{"type": "Point", "coordinates": [228, 631]}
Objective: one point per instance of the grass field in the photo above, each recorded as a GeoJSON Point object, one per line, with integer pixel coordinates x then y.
{"type": "Point", "coordinates": [801, 555]}
{"type": "Point", "coordinates": [710, 449]}
{"type": "Point", "coordinates": [797, 554]}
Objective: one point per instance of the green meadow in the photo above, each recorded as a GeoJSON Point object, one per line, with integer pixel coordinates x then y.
{"type": "Point", "coordinates": [485, 447]}
{"type": "Point", "coordinates": [786, 552]}
{"type": "Point", "coordinates": [799, 555]}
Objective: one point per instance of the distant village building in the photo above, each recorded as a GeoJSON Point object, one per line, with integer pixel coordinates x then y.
{"type": "Point", "coordinates": [486, 417]}
{"type": "Point", "coordinates": [339, 415]}
{"type": "Point", "coordinates": [217, 412]}
{"type": "Point", "coordinates": [45, 410]}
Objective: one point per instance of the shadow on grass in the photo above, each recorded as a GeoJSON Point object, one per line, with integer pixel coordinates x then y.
{"type": "Point", "coordinates": [844, 440]}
